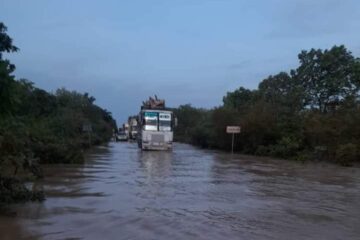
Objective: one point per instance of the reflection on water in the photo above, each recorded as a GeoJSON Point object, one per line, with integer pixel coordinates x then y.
{"type": "Point", "coordinates": [123, 193]}
{"type": "Point", "coordinates": [156, 163]}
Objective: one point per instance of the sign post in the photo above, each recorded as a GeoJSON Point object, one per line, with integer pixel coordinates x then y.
{"type": "Point", "coordinates": [233, 130]}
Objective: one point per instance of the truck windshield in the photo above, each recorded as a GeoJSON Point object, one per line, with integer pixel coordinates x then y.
{"type": "Point", "coordinates": [164, 125]}
{"type": "Point", "coordinates": [151, 122]}
{"type": "Point", "coordinates": [164, 121]}
{"type": "Point", "coordinates": [157, 121]}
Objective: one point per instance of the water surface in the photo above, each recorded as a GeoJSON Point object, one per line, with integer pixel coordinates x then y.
{"type": "Point", "coordinates": [123, 193]}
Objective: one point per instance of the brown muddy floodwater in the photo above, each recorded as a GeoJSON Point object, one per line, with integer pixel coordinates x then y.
{"type": "Point", "coordinates": [123, 193]}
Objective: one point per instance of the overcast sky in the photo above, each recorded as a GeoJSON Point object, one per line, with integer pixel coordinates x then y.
{"type": "Point", "coordinates": [186, 51]}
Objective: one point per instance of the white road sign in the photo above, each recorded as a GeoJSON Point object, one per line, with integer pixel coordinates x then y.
{"type": "Point", "coordinates": [233, 129]}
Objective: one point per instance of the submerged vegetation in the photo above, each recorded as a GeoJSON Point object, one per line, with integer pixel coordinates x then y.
{"type": "Point", "coordinates": [39, 127]}
{"type": "Point", "coordinates": [310, 113]}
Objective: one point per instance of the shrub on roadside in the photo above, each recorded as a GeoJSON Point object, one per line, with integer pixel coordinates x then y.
{"type": "Point", "coordinates": [347, 154]}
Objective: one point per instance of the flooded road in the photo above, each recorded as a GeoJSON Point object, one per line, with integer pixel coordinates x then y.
{"type": "Point", "coordinates": [123, 193]}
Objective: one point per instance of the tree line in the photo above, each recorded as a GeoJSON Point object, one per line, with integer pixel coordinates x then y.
{"type": "Point", "coordinates": [309, 113]}
{"type": "Point", "coordinates": [39, 127]}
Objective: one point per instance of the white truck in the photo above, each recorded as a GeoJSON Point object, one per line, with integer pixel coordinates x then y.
{"type": "Point", "coordinates": [155, 126]}
{"type": "Point", "coordinates": [133, 127]}
{"type": "Point", "coordinates": [126, 130]}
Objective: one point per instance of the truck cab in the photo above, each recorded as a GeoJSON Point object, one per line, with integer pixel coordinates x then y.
{"type": "Point", "coordinates": [155, 129]}
{"type": "Point", "coordinates": [133, 127]}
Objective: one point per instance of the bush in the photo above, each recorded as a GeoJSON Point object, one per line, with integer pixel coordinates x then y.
{"type": "Point", "coordinates": [262, 151]}
{"type": "Point", "coordinates": [13, 190]}
{"type": "Point", "coordinates": [347, 154]}
{"type": "Point", "coordinates": [286, 147]}
{"type": "Point", "coordinates": [303, 156]}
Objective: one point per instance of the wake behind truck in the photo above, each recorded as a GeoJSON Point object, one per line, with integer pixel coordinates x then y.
{"type": "Point", "coordinates": [155, 126]}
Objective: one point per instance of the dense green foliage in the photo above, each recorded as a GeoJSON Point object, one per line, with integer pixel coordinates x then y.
{"type": "Point", "coordinates": [41, 127]}
{"type": "Point", "coordinates": [313, 112]}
